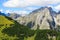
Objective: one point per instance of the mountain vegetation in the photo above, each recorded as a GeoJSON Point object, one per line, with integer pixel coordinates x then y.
{"type": "Point", "coordinates": [11, 30]}
{"type": "Point", "coordinates": [17, 31]}
{"type": "Point", "coordinates": [23, 27]}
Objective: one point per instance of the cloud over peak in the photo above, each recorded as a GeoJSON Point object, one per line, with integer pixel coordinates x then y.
{"type": "Point", "coordinates": [26, 3]}
{"type": "Point", "coordinates": [57, 7]}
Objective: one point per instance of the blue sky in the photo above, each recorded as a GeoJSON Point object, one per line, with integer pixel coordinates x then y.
{"type": "Point", "coordinates": [8, 8]}
{"type": "Point", "coordinates": [26, 6]}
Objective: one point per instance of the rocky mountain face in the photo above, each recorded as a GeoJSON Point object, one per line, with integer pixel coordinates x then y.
{"type": "Point", "coordinates": [13, 15]}
{"type": "Point", "coordinates": [57, 19]}
{"type": "Point", "coordinates": [41, 18]}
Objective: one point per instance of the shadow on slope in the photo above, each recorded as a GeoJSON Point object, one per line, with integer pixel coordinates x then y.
{"type": "Point", "coordinates": [19, 30]}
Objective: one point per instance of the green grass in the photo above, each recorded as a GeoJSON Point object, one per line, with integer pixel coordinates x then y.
{"type": "Point", "coordinates": [3, 22]}
{"type": "Point", "coordinates": [32, 37]}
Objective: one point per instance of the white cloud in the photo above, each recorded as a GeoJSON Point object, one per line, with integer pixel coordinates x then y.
{"type": "Point", "coordinates": [1, 10]}
{"type": "Point", "coordinates": [30, 8]}
{"type": "Point", "coordinates": [25, 3]}
{"type": "Point", "coordinates": [21, 12]}
{"type": "Point", "coordinates": [8, 11]}
{"type": "Point", "coordinates": [57, 7]}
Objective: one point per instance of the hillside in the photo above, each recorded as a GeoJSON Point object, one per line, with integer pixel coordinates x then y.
{"type": "Point", "coordinates": [4, 20]}
{"type": "Point", "coordinates": [12, 30]}
{"type": "Point", "coordinates": [4, 23]}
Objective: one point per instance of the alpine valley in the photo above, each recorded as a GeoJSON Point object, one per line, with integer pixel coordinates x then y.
{"type": "Point", "coordinates": [40, 24]}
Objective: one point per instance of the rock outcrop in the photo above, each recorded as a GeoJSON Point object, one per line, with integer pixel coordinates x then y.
{"type": "Point", "coordinates": [13, 15]}
{"type": "Point", "coordinates": [57, 19]}
{"type": "Point", "coordinates": [40, 18]}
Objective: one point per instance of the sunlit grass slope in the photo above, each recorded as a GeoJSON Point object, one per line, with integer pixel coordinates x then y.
{"type": "Point", "coordinates": [4, 20]}
{"type": "Point", "coordinates": [14, 31]}
{"type": "Point", "coordinates": [5, 23]}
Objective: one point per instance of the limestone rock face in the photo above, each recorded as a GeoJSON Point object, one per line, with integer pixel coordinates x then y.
{"type": "Point", "coordinates": [40, 18]}
{"type": "Point", "coordinates": [14, 15]}
{"type": "Point", "coordinates": [57, 19]}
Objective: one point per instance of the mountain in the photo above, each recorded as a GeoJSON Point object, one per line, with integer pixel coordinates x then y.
{"type": "Point", "coordinates": [53, 13]}
{"type": "Point", "coordinates": [57, 19]}
{"type": "Point", "coordinates": [41, 18]}
{"type": "Point", "coordinates": [2, 14]}
{"type": "Point", "coordinates": [11, 30]}
{"type": "Point", "coordinates": [13, 15]}
{"type": "Point", "coordinates": [58, 12]}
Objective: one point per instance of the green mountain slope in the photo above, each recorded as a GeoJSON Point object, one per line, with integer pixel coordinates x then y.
{"type": "Point", "coordinates": [12, 30]}
{"type": "Point", "coordinates": [4, 20]}
{"type": "Point", "coordinates": [5, 23]}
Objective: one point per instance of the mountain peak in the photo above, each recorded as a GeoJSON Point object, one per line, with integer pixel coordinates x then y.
{"type": "Point", "coordinates": [42, 8]}
{"type": "Point", "coordinates": [45, 7]}
{"type": "Point", "coordinates": [39, 18]}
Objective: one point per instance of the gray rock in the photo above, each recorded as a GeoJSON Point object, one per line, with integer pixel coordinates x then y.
{"type": "Point", "coordinates": [40, 18]}
{"type": "Point", "coordinates": [14, 15]}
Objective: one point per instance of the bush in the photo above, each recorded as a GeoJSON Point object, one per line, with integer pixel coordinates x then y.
{"type": "Point", "coordinates": [41, 35]}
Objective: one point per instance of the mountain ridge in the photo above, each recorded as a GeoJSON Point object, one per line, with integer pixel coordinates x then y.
{"type": "Point", "coordinates": [38, 17]}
